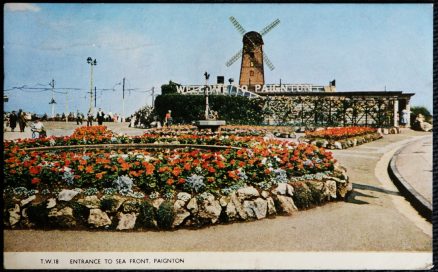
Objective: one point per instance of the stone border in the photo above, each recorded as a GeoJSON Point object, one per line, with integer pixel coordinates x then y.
{"type": "Point", "coordinates": [415, 198]}
{"type": "Point", "coordinates": [345, 143]}
{"type": "Point", "coordinates": [70, 209]}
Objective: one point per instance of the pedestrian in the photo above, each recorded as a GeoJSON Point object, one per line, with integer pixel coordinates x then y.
{"type": "Point", "coordinates": [13, 120]}
{"type": "Point", "coordinates": [100, 117]}
{"type": "Point", "coordinates": [21, 120]}
{"type": "Point", "coordinates": [78, 118]}
{"type": "Point", "coordinates": [89, 118]}
{"type": "Point", "coordinates": [37, 129]}
{"type": "Point", "coordinates": [168, 118]}
{"type": "Point", "coordinates": [404, 118]}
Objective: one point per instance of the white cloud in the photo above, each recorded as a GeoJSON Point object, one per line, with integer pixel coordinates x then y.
{"type": "Point", "coordinates": [22, 7]}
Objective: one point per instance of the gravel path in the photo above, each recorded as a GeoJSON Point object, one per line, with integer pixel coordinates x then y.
{"type": "Point", "coordinates": [374, 218]}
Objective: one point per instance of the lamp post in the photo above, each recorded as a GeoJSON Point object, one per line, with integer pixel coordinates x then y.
{"type": "Point", "coordinates": [92, 63]}
{"type": "Point", "coordinates": [53, 102]}
{"type": "Point", "coordinates": [207, 108]}
{"type": "Point", "coordinates": [231, 80]}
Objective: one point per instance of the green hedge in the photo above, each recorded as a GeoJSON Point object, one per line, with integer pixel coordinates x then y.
{"type": "Point", "coordinates": [233, 109]}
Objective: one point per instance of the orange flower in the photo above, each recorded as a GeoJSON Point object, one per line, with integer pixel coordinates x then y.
{"type": "Point", "coordinates": [150, 169]}
{"type": "Point", "coordinates": [187, 167]}
{"type": "Point", "coordinates": [89, 169]}
{"type": "Point", "coordinates": [170, 181]}
{"type": "Point", "coordinates": [210, 179]}
{"type": "Point", "coordinates": [232, 174]}
{"type": "Point", "coordinates": [82, 162]}
{"type": "Point", "coordinates": [125, 166]}
{"type": "Point", "coordinates": [100, 175]}
{"type": "Point", "coordinates": [134, 173]}
{"type": "Point", "coordinates": [176, 171]}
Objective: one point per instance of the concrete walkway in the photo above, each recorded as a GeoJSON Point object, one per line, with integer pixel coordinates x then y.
{"type": "Point", "coordinates": [411, 170]}
{"type": "Point", "coordinates": [374, 218]}
{"type": "Point", "coordinates": [414, 162]}
{"type": "Point", "coordinates": [66, 129]}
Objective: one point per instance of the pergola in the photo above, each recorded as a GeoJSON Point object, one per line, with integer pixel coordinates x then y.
{"type": "Point", "coordinates": [323, 109]}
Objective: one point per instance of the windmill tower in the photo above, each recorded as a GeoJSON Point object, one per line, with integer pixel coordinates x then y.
{"type": "Point", "coordinates": [253, 57]}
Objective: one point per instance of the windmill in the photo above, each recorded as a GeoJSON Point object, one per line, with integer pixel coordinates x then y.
{"type": "Point", "coordinates": [251, 69]}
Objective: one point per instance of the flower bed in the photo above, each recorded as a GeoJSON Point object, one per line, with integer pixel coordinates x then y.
{"type": "Point", "coordinates": [247, 178]}
{"type": "Point", "coordinates": [342, 137]}
{"type": "Point", "coordinates": [242, 130]}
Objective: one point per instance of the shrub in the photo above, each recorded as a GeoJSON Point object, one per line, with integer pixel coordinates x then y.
{"type": "Point", "coordinates": [165, 215]}
{"type": "Point", "coordinates": [39, 214]}
{"type": "Point", "coordinates": [416, 110]}
{"type": "Point", "coordinates": [146, 215]}
{"type": "Point", "coordinates": [316, 194]}
{"type": "Point", "coordinates": [234, 110]}
{"type": "Point", "coordinates": [107, 204]}
{"type": "Point", "coordinates": [302, 196]}
{"type": "Point", "coordinates": [80, 212]}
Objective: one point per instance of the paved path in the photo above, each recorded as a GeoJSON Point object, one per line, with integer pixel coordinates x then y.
{"type": "Point", "coordinates": [374, 218]}
{"type": "Point", "coordinates": [65, 129]}
{"type": "Point", "coordinates": [414, 163]}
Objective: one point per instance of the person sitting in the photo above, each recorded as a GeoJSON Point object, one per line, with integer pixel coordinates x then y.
{"type": "Point", "coordinates": [37, 128]}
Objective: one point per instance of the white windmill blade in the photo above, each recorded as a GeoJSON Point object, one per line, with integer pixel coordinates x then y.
{"type": "Point", "coordinates": [234, 58]}
{"type": "Point", "coordinates": [237, 25]}
{"type": "Point", "coordinates": [268, 62]}
{"type": "Point", "coordinates": [269, 27]}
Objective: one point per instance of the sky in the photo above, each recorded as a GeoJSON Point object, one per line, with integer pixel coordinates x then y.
{"type": "Point", "coordinates": [366, 47]}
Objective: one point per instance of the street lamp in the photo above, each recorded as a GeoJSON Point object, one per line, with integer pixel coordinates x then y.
{"type": "Point", "coordinates": [207, 108]}
{"type": "Point", "coordinates": [92, 63]}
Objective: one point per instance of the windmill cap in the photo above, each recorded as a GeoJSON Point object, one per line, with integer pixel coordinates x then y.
{"type": "Point", "coordinates": [252, 37]}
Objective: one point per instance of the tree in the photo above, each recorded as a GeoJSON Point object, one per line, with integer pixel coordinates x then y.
{"type": "Point", "coordinates": [416, 110]}
{"type": "Point", "coordinates": [169, 88]}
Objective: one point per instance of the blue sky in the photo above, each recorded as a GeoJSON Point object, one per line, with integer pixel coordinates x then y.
{"type": "Point", "coordinates": [363, 47]}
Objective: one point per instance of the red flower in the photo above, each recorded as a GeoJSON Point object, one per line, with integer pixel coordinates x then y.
{"type": "Point", "coordinates": [34, 170]}
{"type": "Point", "coordinates": [181, 181]}
{"type": "Point", "coordinates": [36, 180]}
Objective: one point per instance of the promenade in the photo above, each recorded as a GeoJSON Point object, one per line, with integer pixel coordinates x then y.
{"type": "Point", "coordinates": [411, 169]}
{"type": "Point", "coordinates": [375, 217]}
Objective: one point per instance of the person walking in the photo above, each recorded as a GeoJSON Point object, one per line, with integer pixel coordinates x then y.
{"type": "Point", "coordinates": [21, 120]}
{"type": "Point", "coordinates": [89, 118]}
{"type": "Point", "coordinates": [13, 120]}
{"type": "Point", "coordinates": [78, 118]}
{"type": "Point", "coordinates": [168, 118]}
{"type": "Point", "coordinates": [100, 117]}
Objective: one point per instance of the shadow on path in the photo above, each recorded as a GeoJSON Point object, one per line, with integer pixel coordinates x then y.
{"type": "Point", "coordinates": [351, 198]}
{"type": "Point", "coordinates": [374, 188]}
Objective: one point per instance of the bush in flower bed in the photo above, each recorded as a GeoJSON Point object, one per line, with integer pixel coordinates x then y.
{"type": "Point", "coordinates": [342, 137]}
{"type": "Point", "coordinates": [241, 130]}
{"type": "Point", "coordinates": [103, 188]}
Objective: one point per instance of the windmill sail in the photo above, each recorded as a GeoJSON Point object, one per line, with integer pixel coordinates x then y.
{"type": "Point", "coordinates": [269, 27]}
{"type": "Point", "coordinates": [237, 25]}
{"type": "Point", "coordinates": [234, 58]}
{"type": "Point", "coordinates": [268, 62]}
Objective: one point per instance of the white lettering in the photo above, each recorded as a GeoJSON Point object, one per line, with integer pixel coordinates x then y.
{"type": "Point", "coordinates": [181, 89]}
